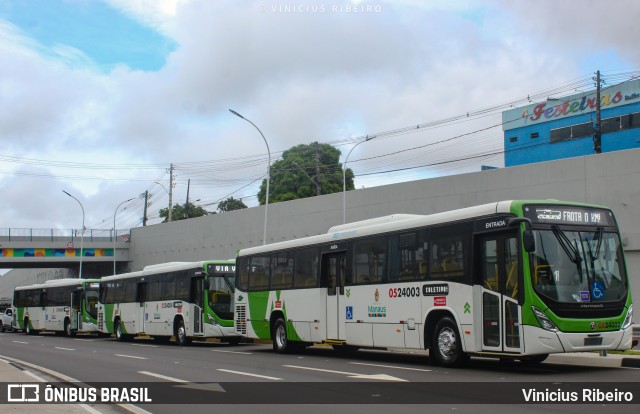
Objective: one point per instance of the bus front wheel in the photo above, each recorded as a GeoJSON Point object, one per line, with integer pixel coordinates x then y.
{"type": "Point", "coordinates": [181, 334]}
{"type": "Point", "coordinates": [27, 328]}
{"type": "Point", "coordinates": [446, 348]}
{"type": "Point", "coordinates": [67, 329]}
{"type": "Point", "coordinates": [117, 329]}
{"type": "Point", "coordinates": [281, 344]}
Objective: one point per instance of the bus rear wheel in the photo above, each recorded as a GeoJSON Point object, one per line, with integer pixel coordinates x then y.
{"type": "Point", "coordinates": [446, 348]}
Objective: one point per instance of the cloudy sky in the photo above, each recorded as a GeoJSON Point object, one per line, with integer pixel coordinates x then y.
{"type": "Point", "coordinates": [98, 98]}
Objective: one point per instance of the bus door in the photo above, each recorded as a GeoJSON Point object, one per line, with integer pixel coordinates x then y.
{"type": "Point", "coordinates": [197, 298]}
{"type": "Point", "coordinates": [74, 310]}
{"type": "Point", "coordinates": [333, 276]}
{"type": "Point", "coordinates": [141, 294]}
{"type": "Point", "coordinates": [499, 278]}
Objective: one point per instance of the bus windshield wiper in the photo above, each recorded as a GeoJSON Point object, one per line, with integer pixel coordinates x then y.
{"type": "Point", "coordinates": [571, 250]}
{"type": "Point", "coordinates": [597, 238]}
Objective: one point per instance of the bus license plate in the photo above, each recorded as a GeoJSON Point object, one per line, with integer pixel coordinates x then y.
{"type": "Point", "coordinates": [592, 341]}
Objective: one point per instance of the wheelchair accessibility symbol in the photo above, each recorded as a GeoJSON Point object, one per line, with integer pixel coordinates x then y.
{"type": "Point", "coordinates": [349, 313]}
{"type": "Point", "coordinates": [597, 290]}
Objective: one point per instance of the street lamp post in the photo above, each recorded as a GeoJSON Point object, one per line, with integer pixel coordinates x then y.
{"type": "Point", "coordinates": [81, 234]}
{"type": "Point", "coordinates": [344, 180]}
{"type": "Point", "coordinates": [266, 204]}
{"type": "Point", "coordinates": [115, 234]}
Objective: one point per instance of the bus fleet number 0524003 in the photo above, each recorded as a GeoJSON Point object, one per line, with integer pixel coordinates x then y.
{"type": "Point", "coordinates": [404, 292]}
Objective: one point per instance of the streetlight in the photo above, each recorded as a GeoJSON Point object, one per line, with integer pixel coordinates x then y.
{"type": "Point", "coordinates": [169, 194]}
{"type": "Point", "coordinates": [115, 233]}
{"type": "Point", "coordinates": [344, 180]}
{"type": "Point", "coordinates": [81, 234]}
{"type": "Point", "coordinates": [266, 204]}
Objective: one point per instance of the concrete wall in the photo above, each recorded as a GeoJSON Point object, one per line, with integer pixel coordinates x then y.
{"type": "Point", "coordinates": [611, 179]}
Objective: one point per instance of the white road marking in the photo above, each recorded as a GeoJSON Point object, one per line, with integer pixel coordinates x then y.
{"type": "Point", "coordinates": [64, 349]}
{"type": "Point", "coordinates": [83, 339]}
{"type": "Point", "coordinates": [381, 377]}
{"type": "Point", "coordinates": [164, 377]}
{"type": "Point", "coordinates": [31, 374]}
{"type": "Point", "coordinates": [248, 374]}
{"type": "Point", "coordinates": [391, 366]}
{"type": "Point", "coordinates": [147, 345]}
{"type": "Point", "coordinates": [20, 342]}
{"type": "Point", "coordinates": [130, 356]}
{"type": "Point", "coordinates": [232, 352]}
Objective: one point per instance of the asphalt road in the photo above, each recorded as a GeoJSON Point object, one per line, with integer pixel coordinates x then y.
{"type": "Point", "coordinates": [363, 381]}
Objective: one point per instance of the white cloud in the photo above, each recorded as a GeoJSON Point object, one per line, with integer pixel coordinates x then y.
{"type": "Point", "coordinates": [300, 76]}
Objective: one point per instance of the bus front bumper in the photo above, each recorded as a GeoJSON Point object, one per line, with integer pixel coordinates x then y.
{"type": "Point", "coordinates": [540, 341]}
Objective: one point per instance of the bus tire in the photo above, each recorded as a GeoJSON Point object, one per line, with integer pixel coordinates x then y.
{"type": "Point", "coordinates": [1, 327]}
{"type": "Point", "coordinates": [446, 349]}
{"type": "Point", "coordinates": [180, 333]}
{"type": "Point", "coordinates": [117, 330]}
{"type": "Point", "coordinates": [281, 344]}
{"type": "Point", "coordinates": [27, 328]}
{"type": "Point", "coordinates": [67, 329]}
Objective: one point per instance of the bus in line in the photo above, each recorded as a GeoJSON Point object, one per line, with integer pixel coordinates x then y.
{"type": "Point", "coordinates": [184, 300]}
{"type": "Point", "coordinates": [511, 279]}
{"type": "Point", "coordinates": [63, 306]}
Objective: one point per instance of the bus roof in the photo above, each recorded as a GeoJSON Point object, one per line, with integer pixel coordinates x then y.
{"type": "Point", "coordinates": [58, 282]}
{"type": "Point", "coordinates": [399, 222]}
{"type": "Point", "coordinates": [163, 267]}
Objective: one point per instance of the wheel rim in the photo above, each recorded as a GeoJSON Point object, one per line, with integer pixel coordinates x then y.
{"type": "Point", "coordinates": [181, 334]}
{"type": "Point", "coordinates": [447, 343]}
{"type": "Point", "coordinates": [281, 336]}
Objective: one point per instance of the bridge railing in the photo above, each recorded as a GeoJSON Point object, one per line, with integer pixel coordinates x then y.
{"type": "Point", "coordinates": [53, 235]}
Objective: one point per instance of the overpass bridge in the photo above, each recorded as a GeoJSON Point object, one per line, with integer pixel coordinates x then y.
{"type": "Point", "coordinates": [57, 248]}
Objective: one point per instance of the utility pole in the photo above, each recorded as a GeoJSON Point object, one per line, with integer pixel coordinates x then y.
{"type": "Point", "coordinates": [146, 204]}
{"type": "Point", "coordinates": [170, 192]}
{"type": "Point", "coordinates": [317, 169]}
{"type": "Point", "coordinates": [597, 133]}
{"type": "Point", "coordinates": [186, 206]}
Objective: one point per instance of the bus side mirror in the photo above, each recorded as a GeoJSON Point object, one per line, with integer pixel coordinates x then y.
{"type": "Point", "coordinates": [527, 237]}
{"type": "Point", "coordinates": [529, 241]}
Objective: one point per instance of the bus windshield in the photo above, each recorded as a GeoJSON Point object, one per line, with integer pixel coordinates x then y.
{"type": "Point", "coordinates": [92, 295]}
{"type": "Point", "coordinates": [571, 266]}
{"type": "Point", "coordinates": [221, 294]}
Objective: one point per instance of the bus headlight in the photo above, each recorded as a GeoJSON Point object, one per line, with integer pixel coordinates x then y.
{"type": "Point", "coordinates": [544, 320]}
{"type": "Point", "coordinates": [627, 320]}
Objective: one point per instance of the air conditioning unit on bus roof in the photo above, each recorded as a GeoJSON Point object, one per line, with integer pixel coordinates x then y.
{"type": "Point", "coordinates": [372, 222]}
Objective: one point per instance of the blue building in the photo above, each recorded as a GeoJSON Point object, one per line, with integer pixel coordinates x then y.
{"type": "Point", "coordinates": [563, 128]}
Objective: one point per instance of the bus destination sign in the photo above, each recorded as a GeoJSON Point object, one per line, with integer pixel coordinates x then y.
{"type": "Point", "coordinates": [557, 214]}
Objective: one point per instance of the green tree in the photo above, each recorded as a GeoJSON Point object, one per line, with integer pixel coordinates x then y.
{"type": "Point", "coordinates": [304, 168]}
{"type": "Point", "coordinates": [231, 204]}
{"type": "Point", "coordinates": [178, 212]}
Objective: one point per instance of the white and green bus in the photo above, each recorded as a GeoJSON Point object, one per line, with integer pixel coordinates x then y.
{"type": "Point", "coordinates": [512, 279]}
{"type": "Point", "coordinates": [63, 306]}
{"type": "Point", "coordinates": [180, 300]}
